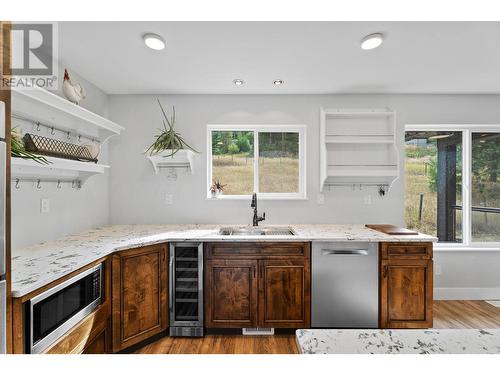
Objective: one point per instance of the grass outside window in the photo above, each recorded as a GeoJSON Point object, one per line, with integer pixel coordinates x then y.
{"type": "Point", "coordinates": [265, 160]}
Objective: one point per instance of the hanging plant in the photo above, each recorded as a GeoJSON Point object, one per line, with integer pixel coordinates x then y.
{"type": "Point", "coordinates": [168, 139]}
{"type": "Point", "coordinates": [17, 149]}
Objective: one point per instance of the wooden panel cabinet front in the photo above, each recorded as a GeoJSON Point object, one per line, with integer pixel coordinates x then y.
{"type": "Point", "coordinates": [231, 293]}
{"type": "Point", "coordinates": [98, 345]}
{"type": "Point", "coordinates": [139, 295]}
{"type": "Point", "coordinates": [83, 334]}
{"type": "Point", "coordinates": [257, 284]}
{"type": "Point", "coordinates": [284, 293]}
{"type": "Point", "coordinates": [406, 293]}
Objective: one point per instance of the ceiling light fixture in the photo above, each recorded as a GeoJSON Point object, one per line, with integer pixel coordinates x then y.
{"type": "Point", "coordinates": [278, 82]}
{"type": "Point", "coordinates": [238, 82]}
{"type": "Point", "coordinates": [372, 41]}
{"type": "Point", "coordinates": [154, 41]}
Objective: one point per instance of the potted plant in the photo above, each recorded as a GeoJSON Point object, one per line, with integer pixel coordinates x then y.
{"type": "Point", "coordinates": [17, 149]}
{"type": "Point", "coordinates": [217, 188]}
{"type": "Point", "coordinates": [168, 140]}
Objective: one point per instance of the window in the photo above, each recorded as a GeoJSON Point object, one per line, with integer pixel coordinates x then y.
{"type": "Point", "coordinates": [268, 160]}
{"type": "Point", "coordinates": [485, 187]}
{"type": "Point", "coordinates": [441, 162]}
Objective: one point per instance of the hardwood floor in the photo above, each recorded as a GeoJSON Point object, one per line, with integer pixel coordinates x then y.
{"type": "Point", "coordinates": [465, 314]}
{"type": "Point", "coordinates": [447, 314]}
{"type": "Point", "coordinates": [218, 344]}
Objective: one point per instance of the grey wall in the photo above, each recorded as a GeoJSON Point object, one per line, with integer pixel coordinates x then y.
{"type": "Point", "coordinates": [137, 195]}
{"type": "Point", "coordinates": [70, 210]}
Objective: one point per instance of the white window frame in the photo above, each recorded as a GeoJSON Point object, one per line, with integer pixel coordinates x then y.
{"type": "Point", "coordinates": [301, 129]}
{"type": "Point", "coordinates": [467, 130]}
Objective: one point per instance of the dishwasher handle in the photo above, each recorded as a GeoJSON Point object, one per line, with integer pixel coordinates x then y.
{"type": "Point", "coordinates": [344, 252]}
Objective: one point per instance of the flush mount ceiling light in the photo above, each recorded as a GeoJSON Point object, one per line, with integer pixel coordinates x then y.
{"type": "Point", "coordinates": [154, 41]}
{"type": "Point", "coordinates": [372, 41]}
{"type": "Point", "coordinates": [278, 82]}
{"type": "Point", "coordinates": [238, 82]}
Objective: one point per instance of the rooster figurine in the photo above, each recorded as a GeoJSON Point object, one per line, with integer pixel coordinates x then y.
{"type": "Point", "coordinates": [73, 91]}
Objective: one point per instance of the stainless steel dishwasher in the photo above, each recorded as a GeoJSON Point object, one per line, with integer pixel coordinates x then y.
{"type": "Point", "coordinates": [344, 285]}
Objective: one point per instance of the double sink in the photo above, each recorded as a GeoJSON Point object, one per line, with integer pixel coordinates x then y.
{"type": "Point", "coordinates": [269, 231]}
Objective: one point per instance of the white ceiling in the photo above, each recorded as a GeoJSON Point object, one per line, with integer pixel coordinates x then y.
{"type": "Point", "coordinates": [311, 57]}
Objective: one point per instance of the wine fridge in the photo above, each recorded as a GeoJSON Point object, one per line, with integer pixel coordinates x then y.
{"type": "Point", "coordinates": [186, 289]}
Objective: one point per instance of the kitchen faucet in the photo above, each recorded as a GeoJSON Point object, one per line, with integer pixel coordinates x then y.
{"type": "Point", "coordinates": [256, 217]}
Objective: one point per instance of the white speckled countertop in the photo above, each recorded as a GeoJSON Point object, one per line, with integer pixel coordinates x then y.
{"type": "Point", "coordinates": [38, 265]}
{"type": "Point", "coordinates": [399, 341]}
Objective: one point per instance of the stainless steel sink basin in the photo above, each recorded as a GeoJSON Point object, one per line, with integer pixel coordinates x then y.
{"type": "Point", "coordinates": [281, 231]}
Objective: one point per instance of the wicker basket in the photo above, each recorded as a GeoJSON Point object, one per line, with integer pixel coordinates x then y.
{"type": "Point", "coordinates": [53, 147]}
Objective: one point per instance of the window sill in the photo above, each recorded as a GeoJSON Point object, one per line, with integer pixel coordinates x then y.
{"type": "Point", "coordinates": [493, 247]}
{"type": "Point", "coordinates": [260, 197]}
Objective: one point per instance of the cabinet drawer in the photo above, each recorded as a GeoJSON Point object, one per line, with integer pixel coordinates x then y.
{"type": "Point", "coordinates": [405, 250]}
{"type": "Point", "coordinates": [257, 249]}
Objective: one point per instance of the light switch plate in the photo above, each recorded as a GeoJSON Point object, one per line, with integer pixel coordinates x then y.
{"type": "Point", "coordinates": [44, 205]}
{"type": "Point", "coordinates": [169, 199]}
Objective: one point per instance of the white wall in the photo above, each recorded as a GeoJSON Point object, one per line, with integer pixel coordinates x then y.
{"type": "Point", "coordinates": [137, 195]}
{"type": "Point", "coordinates": [70, 210]}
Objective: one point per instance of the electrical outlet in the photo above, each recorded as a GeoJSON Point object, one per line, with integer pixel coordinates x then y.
{"type": "Point", "coordinates": [44, 205]}
{"type": "Point", "coordinates": [169, 199]}
{"type": "Point", "coordinates": [320, 199]}
{"type": "Point", "coordinates": [367, 199]}
{"type": "Point", "coordinates": [437, 269]}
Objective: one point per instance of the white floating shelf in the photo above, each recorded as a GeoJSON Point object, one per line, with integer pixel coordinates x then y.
{"type": "Point", "coordinates": [59, 169]}
{"type": "Point", "coordinates": [362, 112]}
{"type": "Point", "coordinates": [386, 139]}
{"type": "Point", "coordinates": [358, 147]}
{"type": "Point", "coordinates": [183, 159]}
{"type": "Point", "coordinates": [39, 105]}
{"type": "Point", "coordinates": [355, 171]}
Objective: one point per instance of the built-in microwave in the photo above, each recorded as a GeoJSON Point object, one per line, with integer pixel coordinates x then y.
{"type": "Point", "coordinates": [51, 314]}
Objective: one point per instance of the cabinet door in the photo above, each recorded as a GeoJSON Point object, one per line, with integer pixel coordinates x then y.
{"type": "Point", "coordinates": [98, 345]}
{"type": "Point", "coordinates": [406, 294]}
{"type": "Point", "coordinates": [284, 293]}
{"type": "Point", "coordinates": [231, 293]}
{"type": "Point", "coordinates": [139, 296]}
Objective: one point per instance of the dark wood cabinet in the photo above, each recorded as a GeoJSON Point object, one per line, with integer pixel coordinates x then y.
{"type": "Point", "coordinates": [406, 282]}
{"type": "Point", "coordinates": [284, 293]}
{"type": "Point", "coordinates": [231, 296]}
{"type": "Point", "coordinates": [250, 285]}
{"type": "Point", "coordinates": [139, 294]}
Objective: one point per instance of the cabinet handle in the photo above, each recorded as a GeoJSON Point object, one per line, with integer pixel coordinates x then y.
{"type": "Point", "coordinates": [384, 272]}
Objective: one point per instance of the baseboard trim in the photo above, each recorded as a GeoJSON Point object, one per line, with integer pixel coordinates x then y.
{"type": "Point", "coordinates": [466, 293]}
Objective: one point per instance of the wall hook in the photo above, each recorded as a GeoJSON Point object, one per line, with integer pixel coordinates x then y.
{"type": "Point", "coordinates": [52, 131]}
{"type": "Point", "coordinates": [58, 184]}
{"type": "Point", "coordinates": [79, 138]}
{"type": "Point", "coordinates": [17, 184]}
{"type": "Point", "coordinates": [69, 136]}
{"type": "Point", "coordinates": [38, 126]}
{"type": "Point", "coordinates": [382, 190]}
{"type": "Point", "coordinates": [38, 185]}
